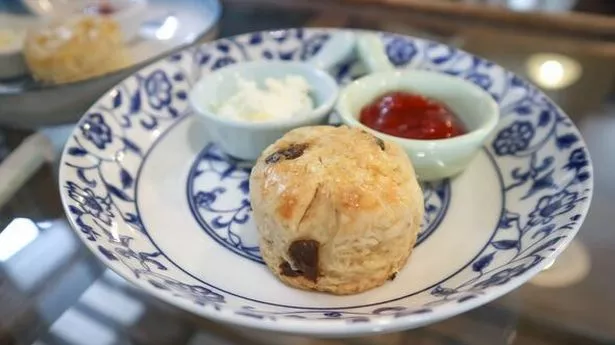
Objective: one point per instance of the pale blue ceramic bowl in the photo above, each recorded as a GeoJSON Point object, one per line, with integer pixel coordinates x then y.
{"type": "Point", "coordinates": [244, 139]}
{"type": "Point", "coordinates": [432, 159]}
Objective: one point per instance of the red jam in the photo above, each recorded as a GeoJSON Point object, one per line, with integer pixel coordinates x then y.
{"type": "Point", "coordinates": [411, 116]}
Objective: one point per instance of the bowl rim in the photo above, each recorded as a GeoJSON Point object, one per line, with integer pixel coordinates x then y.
{"type": "Point", "coordinates": [480, 132]}
{"type": "Point", "coordinates": [320, 111]}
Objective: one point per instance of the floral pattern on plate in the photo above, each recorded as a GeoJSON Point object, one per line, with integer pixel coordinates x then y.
{"type": "Point", "coordinates": [544, 168]}
{"type": "Point", "coordinates": [223, 208]}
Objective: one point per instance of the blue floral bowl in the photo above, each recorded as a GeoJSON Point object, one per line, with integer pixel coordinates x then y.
{"type": "Point", "coordinates": [163, 206]}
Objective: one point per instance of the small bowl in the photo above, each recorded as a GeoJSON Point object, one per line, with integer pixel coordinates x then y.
{"type": "Point", "coordinates": [432, 159]}
{"type": "Point", "coordinates": [244, 139]}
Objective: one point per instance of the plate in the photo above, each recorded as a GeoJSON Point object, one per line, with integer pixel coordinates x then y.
{"type": "Point", "coordinates": [166, 26]}
{"type": "Point", "coordinates": [166, 209]}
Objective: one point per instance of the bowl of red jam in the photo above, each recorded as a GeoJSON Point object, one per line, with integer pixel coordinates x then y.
{"type": "Point", "coordinates": [441, 121]}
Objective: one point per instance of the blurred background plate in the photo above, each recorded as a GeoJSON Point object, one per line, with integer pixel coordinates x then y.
{"type": "Point", "coordinates": [169, 25]}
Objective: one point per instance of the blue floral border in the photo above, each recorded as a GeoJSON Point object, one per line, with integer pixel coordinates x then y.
{"type": "Point", "coordinates": [227, 173]}
{"type": "Point", "coordinates": [540, 150]}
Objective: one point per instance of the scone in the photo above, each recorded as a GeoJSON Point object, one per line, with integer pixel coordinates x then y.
{"type": "Point", "coordinates": [75, 48]}
{"type": "Point", "coordinates": [337, 210]}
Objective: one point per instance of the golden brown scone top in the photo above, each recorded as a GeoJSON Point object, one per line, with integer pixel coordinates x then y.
{"type": "Point", "coordinates": [344, 169]}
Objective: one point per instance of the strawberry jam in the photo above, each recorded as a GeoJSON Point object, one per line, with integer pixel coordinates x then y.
{"type": "Point", "coordinates": [411, 116]}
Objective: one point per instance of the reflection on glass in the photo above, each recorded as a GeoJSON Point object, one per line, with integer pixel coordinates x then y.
{"type": "Point", "coordinates": [553, 71]}
{"type": "Point", "coordinates": [522, 5]}
{"type": "Point", "coordinates": [536, 5]}
{"type": "Point", "coordinates": [42, 257]}
{"type": "Point", "coordinates": [167, 29]}
{"type": "Point", "coordinates": [113, 303]}
{"type": "Point", "coordinates": [18, 234]}
{"type": "Point", "coordinates": [75, 327]}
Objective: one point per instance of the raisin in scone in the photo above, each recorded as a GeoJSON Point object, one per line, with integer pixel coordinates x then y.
{"type": "Point", "coordinates": [337, 210]}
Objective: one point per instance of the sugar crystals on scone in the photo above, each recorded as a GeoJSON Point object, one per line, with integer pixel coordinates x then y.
{"type": "Point", "coordinates": [337, 209]}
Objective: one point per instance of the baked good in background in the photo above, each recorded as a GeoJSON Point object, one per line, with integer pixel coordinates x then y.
{"type": "Point", "coordinates": [75, 48]}
{"type": "Point", "coordinates": [337, 209]}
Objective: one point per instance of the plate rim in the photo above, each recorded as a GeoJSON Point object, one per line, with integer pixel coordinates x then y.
{"type": "Point", "coordinates": [333, 327]}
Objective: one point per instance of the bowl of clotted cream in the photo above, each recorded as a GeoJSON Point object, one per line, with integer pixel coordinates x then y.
{"type": "Point", "coordinates": [246, 107]}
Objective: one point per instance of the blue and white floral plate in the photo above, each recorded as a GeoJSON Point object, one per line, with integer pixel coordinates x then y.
{"type": "Point", "coordinates": [162, 206]}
